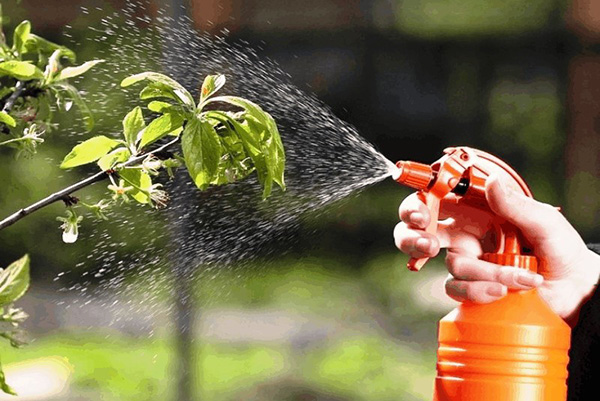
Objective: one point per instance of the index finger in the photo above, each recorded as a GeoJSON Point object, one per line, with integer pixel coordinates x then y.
{"type": "Point", "coordinates": [414, 212]}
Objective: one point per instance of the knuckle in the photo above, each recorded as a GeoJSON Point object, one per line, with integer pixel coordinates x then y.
{"type": "Point", "coordinates": [476, 293]}
{"type": "Point", "coordinates": [455, 265]}
{"type": "Point", "coordinates": [471, 292]}
{"type": "Point", "coordinates": [406, 245]}
{"type": "Point", "coordinates": [412, 204]}
{"type": "Point", "coordinates": [403, 212]}
{"type": "Point", "coordinates": [555, 217]}
{"type": "Point", "coordinates": [503, 275]}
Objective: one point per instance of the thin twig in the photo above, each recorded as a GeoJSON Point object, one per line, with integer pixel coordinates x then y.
{"type": "Point", "coordinates": [10, 102]}
{"type": "Point", "coordinates": [12, 141]}
{"type": "Point", "coordinates": [13, 218]}
{"type": "Point", "coordinates": [66, 192]}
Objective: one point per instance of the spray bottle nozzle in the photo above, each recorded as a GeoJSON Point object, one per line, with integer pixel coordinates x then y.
{"type": "Point", "coordinates": [413, 174]}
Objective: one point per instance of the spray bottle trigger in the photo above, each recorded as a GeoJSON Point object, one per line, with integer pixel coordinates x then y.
{"type": "Point", "coordinates": [433, 204]}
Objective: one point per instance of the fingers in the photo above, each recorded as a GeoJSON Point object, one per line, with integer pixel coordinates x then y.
{"type": "Point", "coordinates": [416, 243]}
{"type": "Point", "coordinates": [536, 220]}
{"type": "Point", "coordinates": [414, 212]}
{"type": "Point", "coordinates": [467, 268]}
{"type": "Point", "coordinates": [409, 235]}
{"type": "Point", "coordinates": [482, 292]}
{"type": "Point", "coordinates": [480, 281]}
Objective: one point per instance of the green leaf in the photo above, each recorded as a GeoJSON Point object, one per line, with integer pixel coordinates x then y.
{"type": "Point", "coordinates": [52, 66]}
{"type": "Point", "coordinates": [109, 160]}
{"type": "Point", "coordinates": [63, 100]}
{"type": "Point", "coordinates": [22, 70]}
{"type": "Point", "coordinates": [140, 181]}
{"type": "Point", "coordinates": [89, 151]}
{"type": "Point", "coordinates": [14, 281]}
{"type": "Point", "coordinates": [4, 386]}
{"type": "Point", "coordinates": [273, 140]}
{"type": "Point", "coordinates": [133, 123]}
{"type": "Point", "coordinates": [158, 90]}
{"type": "Point", "coordinates": [5, 91]}
{"type": "Point", "coordinates": [176, 132]}
{"type": "Point", "coordinates": [277, 151]}
{"type": "Point", "coordinates": [266, 173]}
{"type": "Point", "coordinates": [182, 94]}
{"type": "Point", "coordinates": [40, 45]}
{"type": "Point", "coordinates": [71, 72]}
{"type": "Point", "coordinates": [250, 107]}
{"type": "Point", "coordinates": [201, 151]}
{"type": "Point", "coordinates": [260, 138]}
{"type": "Point", "coordinates": [211, 84]}
{"type": "Point", "coordinates": [235, 164]}
{"type": "Point", "coordinates": [7, 119]}
{"type": "Point", "coordinates": [20, 36]}
{"type": "Point", "coordinates": [44, 111]}
{"type": "Point", "coordinates": [73, 93]}
{"type": "Point", "coordinates": [160, 107]}
{"type": "Point", "coordinates": [249, 139]}
{"type": "Point", "coordinates": [160, 127]}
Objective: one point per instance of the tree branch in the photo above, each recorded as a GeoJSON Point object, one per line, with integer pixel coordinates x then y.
{"type": "Point", "coordinates": [10, 102]}
{"type": "Point", "coordinates": [66, 192]}
{"type": "Point", "coordinates": [13, 218]}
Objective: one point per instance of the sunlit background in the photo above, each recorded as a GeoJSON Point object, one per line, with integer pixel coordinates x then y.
{"type": "Point", "coordinates": [338, 317]}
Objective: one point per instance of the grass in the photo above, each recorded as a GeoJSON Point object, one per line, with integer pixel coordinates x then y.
{"type": "Point", "coordinates": [361, 359]}
{"type": "Point", "coordinates": [116, 367]}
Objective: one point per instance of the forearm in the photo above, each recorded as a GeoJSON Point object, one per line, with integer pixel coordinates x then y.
{"type": "Point", "coordinates": [585, 347]}
{"type": "Point", "coordinates": [584, 283]}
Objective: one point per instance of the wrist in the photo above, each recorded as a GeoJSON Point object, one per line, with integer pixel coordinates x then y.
{"type": "Point", "coordinates": [584, 284]}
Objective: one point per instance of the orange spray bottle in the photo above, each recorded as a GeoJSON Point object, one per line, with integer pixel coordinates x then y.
{"type": "Point", "coordinates": [514, 349]}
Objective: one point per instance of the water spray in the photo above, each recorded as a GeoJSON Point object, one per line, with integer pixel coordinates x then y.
{"type": "Point", "coordinates": [515, 348]}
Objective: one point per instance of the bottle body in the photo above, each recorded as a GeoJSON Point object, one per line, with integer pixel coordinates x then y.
{"type": "Point", "coordinates": [514, 349]}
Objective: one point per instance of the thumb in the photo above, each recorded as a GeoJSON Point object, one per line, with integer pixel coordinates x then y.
{"type": "Point", "coordinates": [536, 220]}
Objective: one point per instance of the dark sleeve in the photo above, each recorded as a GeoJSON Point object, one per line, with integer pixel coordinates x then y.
{"type": "Point", "coordinates": [584, 364]}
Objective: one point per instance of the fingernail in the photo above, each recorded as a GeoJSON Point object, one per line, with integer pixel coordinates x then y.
{"type": "Point", "coordinates": [497, 291]}
{"type": "Point", "coordinates": [423, 245]}
{"type": "Point", "coordinates": [417, 219]}
{"type": "Point", "coordinates": [529, 279]}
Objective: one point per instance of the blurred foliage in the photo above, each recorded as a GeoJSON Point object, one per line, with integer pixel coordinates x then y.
{"type": "Point", "coordinates": [525, 118]}
{"type": "Point", "coordinates": [347, 343]}
{"type": "Point", "coordinates": [129, 369]}
{"type": "Point", "coordinates": [524, 115]}
{"type": "Point", "coordinates": [472, 18]}
{"type": "Point", "coordinates": [362, 368]}
{"type": "Point", "coordinates": [585, 204]}
{"type": "Point", "coordinates": [371, 368]}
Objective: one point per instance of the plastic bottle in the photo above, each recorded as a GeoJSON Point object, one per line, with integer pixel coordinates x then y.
{"type": "Point", "coordinates": [516, 348]}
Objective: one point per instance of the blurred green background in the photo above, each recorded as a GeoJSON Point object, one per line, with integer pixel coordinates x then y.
{"type": "Point", "coordinates": [342, 319]}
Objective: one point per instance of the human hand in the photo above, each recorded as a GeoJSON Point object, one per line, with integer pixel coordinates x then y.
{"type": "Point", "coordinates": [568, 271]}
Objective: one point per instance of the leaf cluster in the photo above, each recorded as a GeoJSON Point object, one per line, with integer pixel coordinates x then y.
{"type": "Point", "coordinates": [218, 146]}
{"type": "Point", "coordinates": [14, 282]}
{"type": "Point", "coordinates": [34, 83]}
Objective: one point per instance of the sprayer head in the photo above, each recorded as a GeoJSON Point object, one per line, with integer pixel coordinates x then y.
{"type": "Point", "coordinates": [413, 174]}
